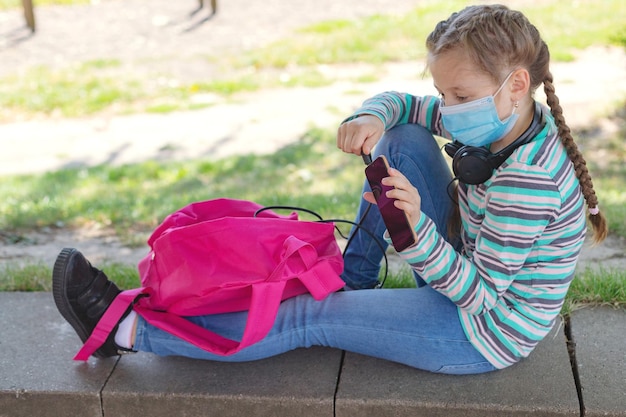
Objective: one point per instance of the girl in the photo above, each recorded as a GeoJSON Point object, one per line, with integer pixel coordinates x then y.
{"type": "Point", "coordinates": [488, 290]}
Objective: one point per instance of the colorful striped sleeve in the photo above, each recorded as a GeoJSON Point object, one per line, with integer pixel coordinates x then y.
{"type": "Point", "coordinates": [394, 108]}
{"type": "Point", "coordinates": [514, 211]}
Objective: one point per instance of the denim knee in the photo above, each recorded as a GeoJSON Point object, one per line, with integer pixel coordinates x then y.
{"type": "Point", "coordinates": [414, 151]}
{"type": "Point", "coordinates": [410, 140]}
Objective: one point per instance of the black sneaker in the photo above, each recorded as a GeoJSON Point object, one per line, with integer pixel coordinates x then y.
{"type": "Point", "coordinates": [82, 294]}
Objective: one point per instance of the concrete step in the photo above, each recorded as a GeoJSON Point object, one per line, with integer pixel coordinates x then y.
{"type": "Point", "coordinates": [39, 378]}
{"type": "Point", "coordinates": [600, 337]}
{"type": "Point", "coordinates": [541, 385]}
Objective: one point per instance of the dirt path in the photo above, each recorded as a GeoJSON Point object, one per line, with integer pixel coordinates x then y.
{"type": "Point", "coordinates": [162, 32]}
{"type": "Point", "coordinates": [159, 36]}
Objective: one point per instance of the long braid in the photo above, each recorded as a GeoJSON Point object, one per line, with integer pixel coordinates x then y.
{"type": "Point", "coordinates": [595, 217]}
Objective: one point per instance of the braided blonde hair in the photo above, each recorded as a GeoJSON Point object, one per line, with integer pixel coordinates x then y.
{"type": "Point", "coordinates": [497, 39]}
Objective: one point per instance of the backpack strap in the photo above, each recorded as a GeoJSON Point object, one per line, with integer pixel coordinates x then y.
{"type": "Point", "coordinates": [108, 322]}
{"type": "Point", "coordinates": [264, 303]}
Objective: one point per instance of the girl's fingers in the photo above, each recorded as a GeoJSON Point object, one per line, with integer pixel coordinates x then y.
{"type": "Point", "coordinates": [369, 197]}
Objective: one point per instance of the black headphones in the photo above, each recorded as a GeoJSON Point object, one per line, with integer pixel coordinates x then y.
{"type": "Point", "coordinates": [475, 165]}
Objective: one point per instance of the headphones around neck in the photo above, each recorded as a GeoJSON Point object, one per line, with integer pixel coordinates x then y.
{"type": "Point", "coordinates": [474, 165]}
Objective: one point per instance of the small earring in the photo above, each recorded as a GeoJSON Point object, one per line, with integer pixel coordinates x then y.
{"type": "Point", "coordinates": [516, 104]}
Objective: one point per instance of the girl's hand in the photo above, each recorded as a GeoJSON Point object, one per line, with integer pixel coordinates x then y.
{"type": "Point", "coordinates": [358, 136]}
{"type": "Point", "coordinates": [405, 194]}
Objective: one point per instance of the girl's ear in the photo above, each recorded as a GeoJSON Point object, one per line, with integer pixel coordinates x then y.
{"type": "Point", "coordinates": [520, 84]}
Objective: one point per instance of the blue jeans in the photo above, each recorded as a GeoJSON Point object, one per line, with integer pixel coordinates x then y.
{"type": "Point", "coordinates": [417, 327]}
{"type": "Point", "coordinates": [413, 151]}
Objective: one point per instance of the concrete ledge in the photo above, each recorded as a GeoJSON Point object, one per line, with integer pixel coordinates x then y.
{"type": "Point", "coordinates": [39, 378]}
{"type": "Point", "coordinates": [543, 385]}
{"type": "Point", "coordinates": [299, 383]}
{"type": "Point", "coordinates": [600, 337]}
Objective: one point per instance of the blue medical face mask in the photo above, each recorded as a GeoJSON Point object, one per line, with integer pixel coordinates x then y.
{"type": "Point", "coordinates": [477, 123]}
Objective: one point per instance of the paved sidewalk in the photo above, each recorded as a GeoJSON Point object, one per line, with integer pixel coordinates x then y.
{"type": "Point", "coordinates": [600, 336]}
{"type": "Point", "coordinates": [39, 378]}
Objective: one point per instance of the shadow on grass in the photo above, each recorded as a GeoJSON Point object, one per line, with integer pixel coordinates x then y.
{"type": "Point", "coordinates": [312, 173]}
{"type": "Point", "coordinates": [134, 198]}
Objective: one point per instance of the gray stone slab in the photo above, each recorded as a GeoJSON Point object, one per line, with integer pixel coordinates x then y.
{"type": "Point", "coordinates": [37, 374]}
{"type": "Point", "coordinates": [600, 336]}
{"type": "Point", "coordinates": [539, 386]}
{"type": "Point", "coordinates": [300, 383]}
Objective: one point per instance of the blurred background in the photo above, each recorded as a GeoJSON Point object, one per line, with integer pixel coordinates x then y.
{"type": "Point", "coordinates": [114, 113]}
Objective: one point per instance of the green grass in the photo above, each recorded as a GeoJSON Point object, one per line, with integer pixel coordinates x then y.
{"type": "Point", "coordinates": [38, 277]}
{"type": "Point", "coordinates": [606, 287]}
{"type": "Point", "coordinates": [570, 26]}
{"type": "Point", "coordinates": [70, 92]}
{"type": "Point", "coordinates": [565, 26]}
{"type": "Point", "coordinates": [612, 198]}
{"type": "Point", "coordinates": [91, 87]}
{"type": "Point", "coordinates": [608, 170]}
{"type": "Point", "coordinates": [133, 198]}
{"type": "Point", "coordinates": [30, 277]}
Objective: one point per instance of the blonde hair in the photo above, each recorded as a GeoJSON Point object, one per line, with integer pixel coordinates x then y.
{"type": "Point", "coordinates": [498, 39]}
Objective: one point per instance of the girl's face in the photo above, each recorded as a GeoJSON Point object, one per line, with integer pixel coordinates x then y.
{"type": "Point", "coordinates": [459, 81]}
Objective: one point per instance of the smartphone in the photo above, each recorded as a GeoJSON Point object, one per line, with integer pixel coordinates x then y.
{"type": "Point", "coordinates": [397, 222]}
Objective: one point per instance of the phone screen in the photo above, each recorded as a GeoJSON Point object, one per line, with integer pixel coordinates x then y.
{"type": "Point", "coordinates": [397, 223]}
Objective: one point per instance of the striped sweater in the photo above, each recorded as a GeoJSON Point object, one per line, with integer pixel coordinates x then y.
{"type": "Point", "coordinates": [523, 230]}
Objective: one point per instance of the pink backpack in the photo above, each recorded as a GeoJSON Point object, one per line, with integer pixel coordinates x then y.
{"type": "Point", "coordinates": [222, 256]}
